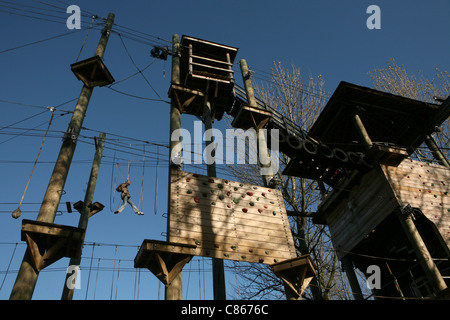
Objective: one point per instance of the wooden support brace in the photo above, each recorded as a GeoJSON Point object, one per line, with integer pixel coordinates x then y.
{"type": "Point", "coordinates": [49, 242]}
{"type": "Point", "coordinates": [164, 259]}
{"type": "Point", "coordinates": [296, 273]}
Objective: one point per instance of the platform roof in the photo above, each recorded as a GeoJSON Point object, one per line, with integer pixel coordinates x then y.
{"type": "Point", "coordinates": [387, 118]}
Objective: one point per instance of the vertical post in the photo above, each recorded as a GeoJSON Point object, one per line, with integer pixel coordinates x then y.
{"type": "Point", "coordinates": [85, 211]}
{"type": "Point", "coordinates": [362, 132]}
{"type": "Point", "coordinates": [263, 152]}
{"type": "Point", "coordinates": [219, 287]}
{"type": "Point", "coordinates": [27, 276]}
{"type": "Point", "coordinates": [421, 251]}
{"type": "Point", "coordinates": [437, 153]}
{"type": "Point", "coordinates": [352, 279]}
{"type": "Point", "coordinates": [175, 290]}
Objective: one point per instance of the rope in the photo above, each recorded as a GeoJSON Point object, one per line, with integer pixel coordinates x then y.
{"type": "Point", "coordinates": [156, 182]}
{"type": "Point", "coordinates": [141, 195]}
{"type": "Point", "coordinates": [9, 265]}
{"type": "Point", "coordinates": [114, 268]}
{"type": "Point", "coordinates": [16, 213]}
{"type": "Point", "coordinates": [89, 275]}
{"type": "Point", "coordinates": [85, 38]}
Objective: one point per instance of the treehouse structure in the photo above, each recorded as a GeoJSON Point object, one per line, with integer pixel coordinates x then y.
{"type": "Point", "coordinates": [385, 209]}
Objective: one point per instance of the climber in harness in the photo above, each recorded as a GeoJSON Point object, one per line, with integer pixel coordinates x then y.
{"type": "Point", "coordinates": [125, 195]}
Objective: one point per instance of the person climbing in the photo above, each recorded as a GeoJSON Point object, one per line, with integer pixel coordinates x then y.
{"type": "Point", "coordinates": [125, 195]}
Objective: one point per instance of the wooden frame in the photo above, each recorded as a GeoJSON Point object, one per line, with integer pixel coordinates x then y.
{"type": "Point", "coordinates": [49, 242]}
{"type": "Point", "coordinates": [92, 72]}
{"type": "Point", "coordinates": [164, 259]}
{"type": "Point", "coordinates": [296, 273]}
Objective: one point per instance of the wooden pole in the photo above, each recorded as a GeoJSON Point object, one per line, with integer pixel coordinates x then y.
{"type": "Point", "coordinates": [218, 270]}
{"type": "Point", "coordinates": [421, 251]}
{"type": "Point", "coordinates": [367, 142]}
{"type": "Point", "coordinates": [67, 293]}
{"type": "Point", "coordinates": [437, 153]}
{"type": "Point", "coordinates": [352, 279]}
{"type": "Point", "coordinates": [263, 152]}
{"type": "Point", "coordinates": [175, 290]}
{"type": "Point", "coordinates": [27, 276]}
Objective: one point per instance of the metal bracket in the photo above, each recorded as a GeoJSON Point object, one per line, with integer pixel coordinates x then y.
{"type": "Point", "coordinates": [70, 135]}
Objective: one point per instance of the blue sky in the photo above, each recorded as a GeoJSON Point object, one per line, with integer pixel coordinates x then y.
{"type": "Point", "coordinates": [329, 38]}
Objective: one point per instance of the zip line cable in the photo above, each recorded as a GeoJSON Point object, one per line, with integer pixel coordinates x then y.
{"type": "Point", "coordinates": [16, 213]}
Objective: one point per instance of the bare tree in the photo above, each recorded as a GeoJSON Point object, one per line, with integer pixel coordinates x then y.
{"type": "Point", "coordinates": [395, 79]}
{"type": "Point", "coordinates": [300, 101]}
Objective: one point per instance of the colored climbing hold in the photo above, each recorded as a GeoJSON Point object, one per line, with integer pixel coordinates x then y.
{"type": "Point", "coordinates": [275, 260]}
{"type": "Point", "coordinates": [221, 197]}
{"type": "Point", "coordinates": [250, 193]}
{"type": "Point", "coordinates": [255, 188]}
{"type": "Point", "coordinates": [228, 193]}
{"type": "Point", "coordinates": [213, 203]}
{"type": "Point", "coordinates": [241, 185]}
{"type": "Point", "coordinates": [226, 255]}
{"type": "Point", "coordinates": [257, 199]}
{"type": "Point", "coordinates": [236, 188]}
{"type": "Point", "coordinates": [244, 210]}
{"type": "Point", "coordinates": [233, 247]}
{"type": "Point", "coordinates": [260, 210]}
{"type": "Point", "coordinates": [261, 260]}
{"type": "Point", "coordinates": [228, 205]}
{"type": "Point", "coordinates": [274, 213]}
{"type": "Point", "coordinates": [244, 257]}
{"type": "Point", "coordinates": [211, 180]}
{"type": "Point", "coordinates": [271, 202]}
{"type": "Point", "coordinates": [197, 199]}
{"type": "Point", "coordinates": [188, 179]}
{"type": "Point", "coordinates": [265, 207]}
{"type": "Point", "coordinates": [252, 203]}
{"type": "Point", "coordinates": [263, 194]}
{"type": "Point", "coordinates": [266, 252]}
{"type": "Point", "coordinates": [189, 191]}
{"type": "Point", "coordinates": [220, 186]}
{"type": "Point", "coordinates": [226, 181]}
{"type": "Point", "coordinates": [198, 242]}
{"type": "Point", "coordinates": [236, 200]}
{"type": "Point", "coordinates": [251, 250]}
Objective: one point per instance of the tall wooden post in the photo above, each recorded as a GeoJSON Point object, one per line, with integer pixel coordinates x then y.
{"type": "Point", "coordinates": [218, 270]}
{"type": "Point", "coordinates": [27, 277]}
{"type": "Point", "coordinates": [437, 153]}
{"type": "Point", "coordinates": [175, 290]}
{"type": "Point", "coordinates": [421, 251]}
{"type": "Point", "coordinates": [367, 142]}
{"type": "Point", "coordinates": [85, 211]}
{"type": "Point", "coordinates": [347, 264]}
{"type": "Point", "coordinates": [263, 152]}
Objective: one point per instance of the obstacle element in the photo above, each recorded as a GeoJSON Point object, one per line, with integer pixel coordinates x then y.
{"type": "Point", "coordinates": [296, 273]}
{"type": "Point", "coordinates": [49, 242]}
{"type": "Point", "coordinates": [164, 259]}
{"type": "Point", "coordinates": [93, 207]}
{"type": "Point", "coordinates": [229, 220]}
{"type": "Point", "coordinates": [92, 72]}
{"type": "Point", "coordinates": [206, 73]}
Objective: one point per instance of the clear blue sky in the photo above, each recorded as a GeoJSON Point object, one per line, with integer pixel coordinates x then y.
{"type": "Point", "coordinates": [322, 37]}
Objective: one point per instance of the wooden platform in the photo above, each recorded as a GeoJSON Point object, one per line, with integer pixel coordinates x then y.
{"type": "Point", "coordinates": [164, 259]}
{"type": "Point", "coordinates": [49, 242]}
{"type": "Point", "coordinates": [92, 72]}
{"type": "Point", "coordinates": [297, 273]}
{"type": "Point", "coordinates": [251, 117]}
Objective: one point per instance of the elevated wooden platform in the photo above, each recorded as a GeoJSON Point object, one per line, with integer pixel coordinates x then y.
{"type": "Point", "coordinates": [164, 259]}
{"type": "Point", "coordinates": [251, 117]}
{"type": "Point", "coordinates": [297, 273]}
{"type": "Point", "coordinates": [92, 72]}
{"type": "Point", "coordinates": [49, 242]}
{"type": "Point", "coordinates": [93, 207]}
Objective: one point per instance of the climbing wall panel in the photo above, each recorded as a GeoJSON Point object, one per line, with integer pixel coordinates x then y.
{"type": "Point", "coordinates": [426, 187]}
{"type": "Point", "coordinates": [229, 220]}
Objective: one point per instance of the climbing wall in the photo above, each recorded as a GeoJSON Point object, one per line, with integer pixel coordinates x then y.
{"type": "Point", "coordinates": [229, 220]}
{"type": "Point", "coordinates": [425, 186]}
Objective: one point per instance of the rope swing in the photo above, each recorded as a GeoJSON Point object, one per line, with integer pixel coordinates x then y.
{"type": "Point", "coordinates": [17, 213]}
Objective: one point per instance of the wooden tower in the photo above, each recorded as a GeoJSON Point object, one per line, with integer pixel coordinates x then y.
{"type": "Point", "coordinates": [212, 217]}
{"type": "Point", "coordinates": [386, 209]}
